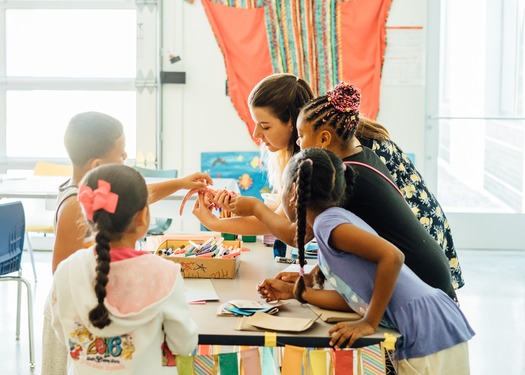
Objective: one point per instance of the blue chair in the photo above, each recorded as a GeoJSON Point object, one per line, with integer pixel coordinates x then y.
{"type": "Point", "coordinates": [12, 229]}
{"type": "Point", "coordinates": [160, 224]}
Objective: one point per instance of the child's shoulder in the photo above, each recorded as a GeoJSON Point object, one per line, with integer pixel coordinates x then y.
{"type": "Point", "coordinates": [69, 212]}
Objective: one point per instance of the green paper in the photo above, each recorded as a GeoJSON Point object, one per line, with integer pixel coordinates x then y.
{"type": "Point", "coordinates": [228, 363]}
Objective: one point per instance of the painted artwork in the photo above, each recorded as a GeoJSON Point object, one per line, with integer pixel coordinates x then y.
{"type": "Point", "coordinates": [244, 166]}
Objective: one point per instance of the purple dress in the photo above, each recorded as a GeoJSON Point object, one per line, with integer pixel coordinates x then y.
{"type": "Point", "coordinates": [428, 319]}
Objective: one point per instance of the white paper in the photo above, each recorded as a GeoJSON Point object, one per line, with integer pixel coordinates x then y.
{"type": "Point", "coordinates": [200, 290]}
{"type": "Point", "coordinates": [404, 57]}
{"type": "Point", "coordinates": [295, 268]}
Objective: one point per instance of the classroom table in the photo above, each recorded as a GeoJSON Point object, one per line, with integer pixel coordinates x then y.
{"type": "Point", "coordinates": [45, 188]}
{"type": "Point", "coordinates": [255, 266]}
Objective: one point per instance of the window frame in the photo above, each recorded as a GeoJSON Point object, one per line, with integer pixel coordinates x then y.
{"type": "Point", "coordinates": [61, 83]}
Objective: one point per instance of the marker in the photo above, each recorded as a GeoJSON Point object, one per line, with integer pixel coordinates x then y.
{"type": "Point", "coordinates": [287, 260]}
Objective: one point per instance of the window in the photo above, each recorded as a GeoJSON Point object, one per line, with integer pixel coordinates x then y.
{"type": "Point", "coordinates": [76, 56]}
{"type": "Point", "coordinates": [481, 120]}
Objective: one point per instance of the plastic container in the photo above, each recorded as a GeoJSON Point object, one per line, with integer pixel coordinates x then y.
{"type": "Point", "coordinates": [271, 201]}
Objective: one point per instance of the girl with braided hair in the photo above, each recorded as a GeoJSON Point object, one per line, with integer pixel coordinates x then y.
{"type": "Point", "coordinates": [113, 307]}
{"type": "Point", "coordinates": [366, 272]}
{"type": "Point", "coordinates": [329, 122]}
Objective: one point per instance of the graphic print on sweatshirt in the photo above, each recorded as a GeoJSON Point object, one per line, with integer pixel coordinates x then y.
{"type": "Point", "coordinates": [100, 352]}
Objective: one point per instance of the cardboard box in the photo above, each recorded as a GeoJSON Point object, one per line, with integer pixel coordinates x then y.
{"type": "Point", "coordinates": [205, 268]}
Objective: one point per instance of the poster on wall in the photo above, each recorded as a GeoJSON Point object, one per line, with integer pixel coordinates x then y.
{"type": "Point", "coordinates": [243, 166]}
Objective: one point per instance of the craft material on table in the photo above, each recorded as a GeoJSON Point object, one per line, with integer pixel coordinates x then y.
{"type": "Point", "coordinates": [241, 307]}
{"type": "Point", "coordinates": [332, 316]}
{"type": "Point", "coordinates": [295, 268]}
{"type": "Point", "coordinates": [200, 290]}
{"type": "Point", "coordinates": [275, 323]}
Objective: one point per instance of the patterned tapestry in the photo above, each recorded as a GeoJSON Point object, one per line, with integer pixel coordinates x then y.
{"type": "Point", "coordinates": [321, 41]}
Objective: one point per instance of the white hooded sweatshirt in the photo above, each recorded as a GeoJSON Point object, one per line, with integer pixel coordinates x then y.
{"type": "Point", "coordinates": [147, 306]}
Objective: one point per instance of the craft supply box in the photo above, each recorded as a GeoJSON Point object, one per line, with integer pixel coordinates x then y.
{"type": "Point", "coordinates": [193, 267]}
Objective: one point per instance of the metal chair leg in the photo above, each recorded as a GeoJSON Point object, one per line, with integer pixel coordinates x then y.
{"type": "Point", "coordinates": [18, 304]}
{"type": "Point", "coordinates": [30, 251]}
{"type": "Point", "coordinates": [19, 279]}
{"type": "Point", "coordinates": [30, 323]}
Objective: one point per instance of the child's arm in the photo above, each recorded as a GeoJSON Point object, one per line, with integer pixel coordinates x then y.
{"type": "Point", "coordinates": [180, 329]}
{"type": "Point", "coordinates": [275, 289]}
{"type": "Point", "coordinates": [276, 221]}
{"type": "Point", "coordinates": [163, 189]}
{"type": "Point", "coordinates": [70, 232]}
{"type": "Point", "coordinates": [248, 225]}
{"type": "Point", "coordinates": [389, 259]}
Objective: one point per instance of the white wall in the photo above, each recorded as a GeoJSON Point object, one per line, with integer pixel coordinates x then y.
{"type": "Point", "coordinates": [199, 117]}
{"type": "Point", "coordinates": [402, 107]}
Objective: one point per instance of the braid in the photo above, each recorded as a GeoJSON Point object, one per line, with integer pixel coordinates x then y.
{"type": "Point", "coordinates": [99, 315]}
{"type": "Point", "coordinates": [111, 224]}
{"type": "Point", "coordinates": [319, 278]}
{"type": "Point", "coordinates": [339, 109]}
{"type": "Point", "coordinates": [322, 182]}
{"type": "Point", "coordinates": [350, 175]}
{"type": "Point", "coordinates": [303, 196]}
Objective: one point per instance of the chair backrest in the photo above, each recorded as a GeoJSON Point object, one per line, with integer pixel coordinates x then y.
{"type": "Point", "coordinates": [12, 229]}
{"type": "Point", "coordinates": [166, 173]}
{"type": "Point", "coordinates": [43, 168]}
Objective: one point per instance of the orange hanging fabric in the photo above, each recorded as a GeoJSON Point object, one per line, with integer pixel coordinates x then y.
{"type": "Point", "coordinates": [242, 37]}
{"type": "Point", "coordinates": [362, 37]}
{"type": "Point", "coordinates": [323, 42]}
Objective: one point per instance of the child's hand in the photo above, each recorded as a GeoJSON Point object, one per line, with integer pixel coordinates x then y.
{"type": "Point", "coordinates": [291, 277]}
{"type": "Point", "coordinates": [244, 206]}
{"type": "Point", "coordinates": [274, 290]}
{"type": "Point", "coordinates": [350, 331]}
{"type": "Point", "coordinates": [196, 180]}
{"type": "Point", "coordinates": [202, 210]}
{"type": "Point", "coordinates": [222, 199]}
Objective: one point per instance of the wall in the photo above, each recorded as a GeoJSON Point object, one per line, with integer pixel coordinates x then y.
{"type": "Point", "coordinates": [198, 116]}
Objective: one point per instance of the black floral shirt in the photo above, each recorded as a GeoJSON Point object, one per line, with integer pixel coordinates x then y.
{"type": "Point", "coordinates": [421, 200]}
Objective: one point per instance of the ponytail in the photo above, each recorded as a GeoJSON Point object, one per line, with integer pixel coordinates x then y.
{"type": "Point", "coordinates": [368, 129]}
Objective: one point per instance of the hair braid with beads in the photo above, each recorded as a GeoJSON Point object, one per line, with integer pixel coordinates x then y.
{"type": "Point", "coordinates": [132, 193]}
{"type": "Point", "coordinates": [339, 109]}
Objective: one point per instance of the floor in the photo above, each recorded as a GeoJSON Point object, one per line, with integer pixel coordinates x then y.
{"type": "Point", "coordinates": [493, 300]}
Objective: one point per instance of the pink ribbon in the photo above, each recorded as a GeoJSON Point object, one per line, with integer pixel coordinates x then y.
{"type": "Point", "coordinates": [99, 199]}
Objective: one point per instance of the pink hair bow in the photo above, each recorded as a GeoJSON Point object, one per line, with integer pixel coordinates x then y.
{"type": "Point", "coordinates": [99, 199]}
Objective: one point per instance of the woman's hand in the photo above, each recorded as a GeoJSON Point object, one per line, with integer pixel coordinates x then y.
{"type": "Point", "coordinates": [196, 180]}
{"type": "Point", "coordinates": [274, 290]}
{"type": "Point", "coordinates": [349, 331]}
{"type": "Point", "coordinates": [202, 210]}
{"type": "Point", "coordinates": [244, 206]}
{"type": "Point", "coordinates": [222, 199]}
